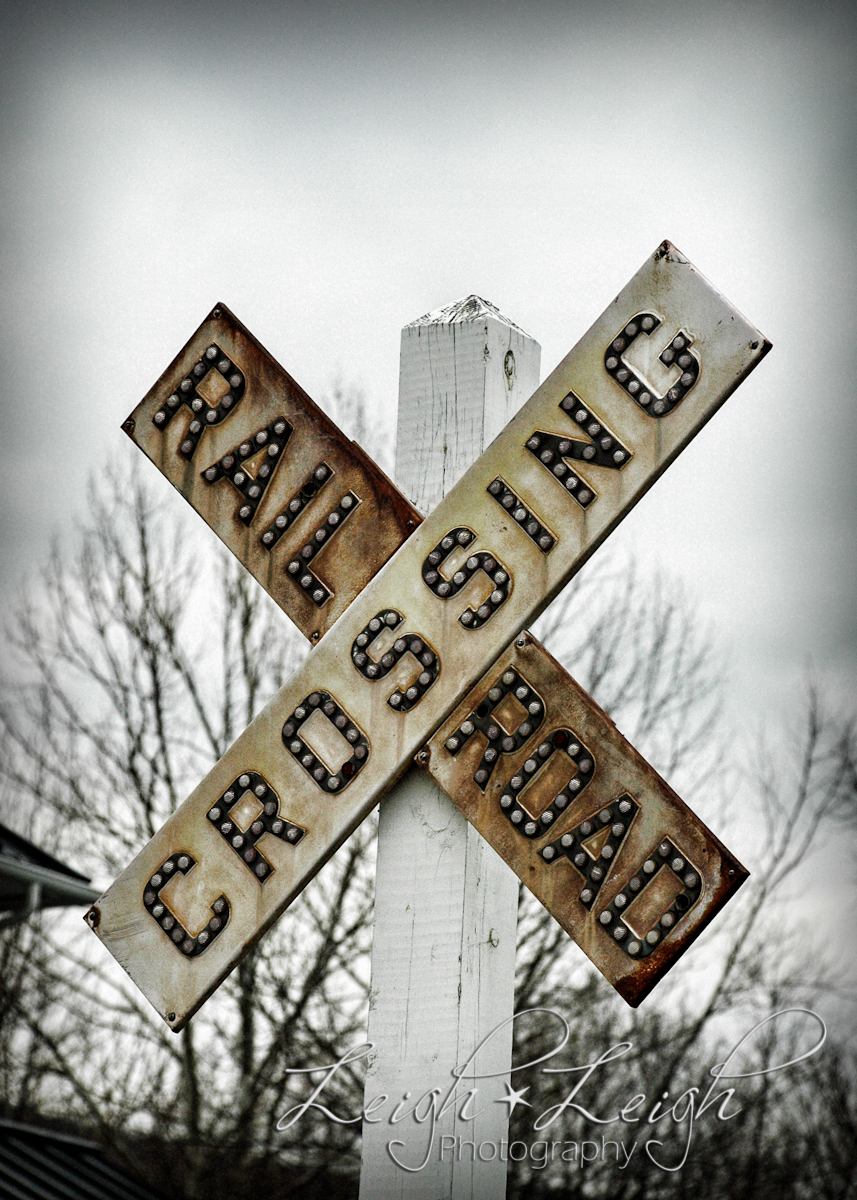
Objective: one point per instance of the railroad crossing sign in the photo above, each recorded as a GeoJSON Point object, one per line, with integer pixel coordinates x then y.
{"type": "Point", "coordinates": [421, 645]}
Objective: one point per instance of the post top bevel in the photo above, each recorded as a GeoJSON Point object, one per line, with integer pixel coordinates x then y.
{"type": "Point", "coordinates": [465, 311]}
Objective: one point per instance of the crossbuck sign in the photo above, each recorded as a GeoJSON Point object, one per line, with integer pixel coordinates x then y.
{"type": "Point", "coordinates": [420, 645]}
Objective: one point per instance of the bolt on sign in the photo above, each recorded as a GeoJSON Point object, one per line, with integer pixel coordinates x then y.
{"type": "Point", "coordinates": [421, 661]}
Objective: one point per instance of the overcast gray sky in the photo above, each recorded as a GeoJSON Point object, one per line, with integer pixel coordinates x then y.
{"type": "Point", "coordinates": [332, 171]}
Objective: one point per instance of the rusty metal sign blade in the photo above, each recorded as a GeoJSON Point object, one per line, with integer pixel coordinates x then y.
{"type": "Point", "coordinates": [305, 509]}
{"type": "Point", "coordinates": [616, 857]}
{"type": "Point", "coordinates": [423, 632]}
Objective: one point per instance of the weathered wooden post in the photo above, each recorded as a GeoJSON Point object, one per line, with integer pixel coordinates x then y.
{"type": "Point", "coordinates": [443, 958]}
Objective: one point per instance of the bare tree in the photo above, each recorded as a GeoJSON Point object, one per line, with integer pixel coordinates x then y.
{"type": "Point", "coordinates": [141, 656]}
{"type": "Point", "coordinates": [648, 663]}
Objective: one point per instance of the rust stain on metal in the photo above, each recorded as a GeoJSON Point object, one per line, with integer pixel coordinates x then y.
{"type": "Point", "coordinates": [456, 594]}
{"type": "Point", "coordinates": [305, 509]}
{"type": "Point", "coordinates": [616, 857]}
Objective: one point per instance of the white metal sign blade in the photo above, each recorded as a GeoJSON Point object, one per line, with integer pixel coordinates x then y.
{"type": "Point", "coordinates": [581, 452]}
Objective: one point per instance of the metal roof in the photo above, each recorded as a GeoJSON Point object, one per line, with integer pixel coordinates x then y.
{"type": "Point", "coordinates": [38, 1164]}
{"type": "Point", "coordinates": [25, 867]}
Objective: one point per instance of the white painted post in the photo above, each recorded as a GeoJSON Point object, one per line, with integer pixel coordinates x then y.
{"type": "Point", "coordinates": [443, 957]}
